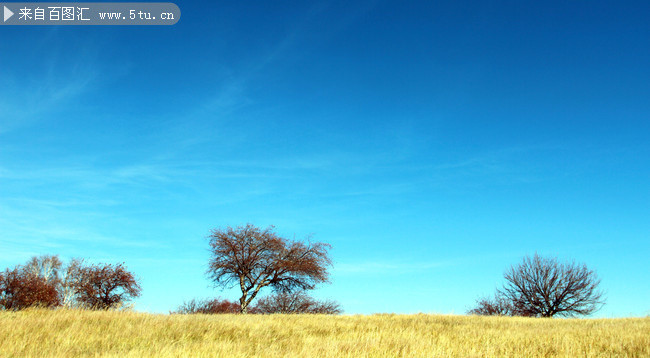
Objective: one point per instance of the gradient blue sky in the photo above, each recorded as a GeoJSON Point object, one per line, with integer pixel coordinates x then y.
{"type": "Point", "coordinates": [433, 144]}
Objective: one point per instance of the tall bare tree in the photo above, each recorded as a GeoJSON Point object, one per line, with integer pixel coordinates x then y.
{"type": "Point", "coordinates": [544, 287]}
{"type": "Point", "coordinates": [254, 258]}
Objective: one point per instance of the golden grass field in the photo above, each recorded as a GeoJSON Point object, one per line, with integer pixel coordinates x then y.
{"type": "Point", "coordinates": [73, 333]}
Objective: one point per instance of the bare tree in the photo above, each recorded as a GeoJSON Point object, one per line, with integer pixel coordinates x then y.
{"type": "Point", "coordinates": [45, 266]}
{"type": "Point", "coordinates": [296, 302]}
{"type": "Point", "coordinates": [69, 280]}
{"type": "Point", "coordinates": [105, 286]}
{"type": "Point", "coordinates": [254, 258]}
{"type": "Point", "coordinates": [543, 287]}
{"type": "Point", "coordinates": [494, 306]}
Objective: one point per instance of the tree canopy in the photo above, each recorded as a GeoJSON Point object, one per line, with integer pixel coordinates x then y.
{"type": "Point", "coordinates": [254, 258]}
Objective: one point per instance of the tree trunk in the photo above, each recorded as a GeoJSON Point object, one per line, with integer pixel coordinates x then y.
{"type": "Point", "coordinates": [243, 305]}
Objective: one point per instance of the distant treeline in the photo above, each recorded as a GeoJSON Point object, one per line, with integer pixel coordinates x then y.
{"type": "Point", "coordinates": [253, 259]}
{"type": "Point", "coordinates": [45, 281]}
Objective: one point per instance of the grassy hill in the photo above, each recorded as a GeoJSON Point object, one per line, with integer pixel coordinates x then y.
{"type": "Point", "coordinates": [42, 333]}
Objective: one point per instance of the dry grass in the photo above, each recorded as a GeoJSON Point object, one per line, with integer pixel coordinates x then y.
{"type": "Point", "coordinates": [41, 333]}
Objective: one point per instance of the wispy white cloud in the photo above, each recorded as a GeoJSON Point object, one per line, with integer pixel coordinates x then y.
{"type": "Point", "coordinates": [29, 97]}
{"type": "Point", "coordinates": [206, 120]}
{"type": "Point", "coordinates": [46, 226]}
{"type": "Point", "coordinates": [381, 267]}
{"type": "Point", "coordinates": [157, 170]}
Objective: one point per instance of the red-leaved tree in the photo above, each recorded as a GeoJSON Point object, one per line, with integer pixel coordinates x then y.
{"type": "Point", "coordinates": [106, 286]}
{"type": "Point", "coordinates": [55, 272]}
{"type": "Point", "coordinates": [20, 289]}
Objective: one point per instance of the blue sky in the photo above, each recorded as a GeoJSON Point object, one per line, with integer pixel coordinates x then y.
{"type": "Point", "coordinates": [433, 144]}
